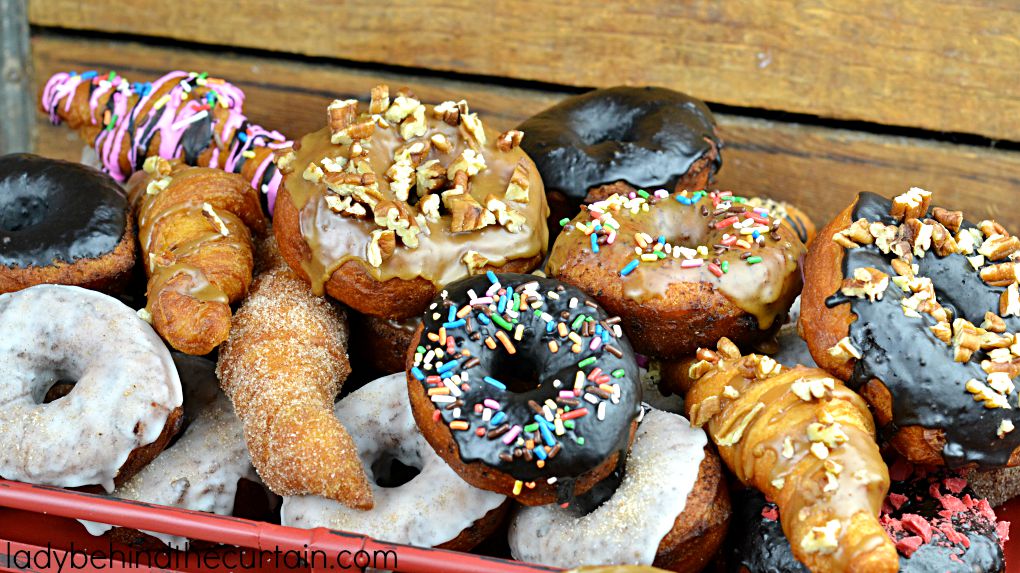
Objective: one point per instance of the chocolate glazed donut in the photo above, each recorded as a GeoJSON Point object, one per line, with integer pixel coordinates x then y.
{"type": "Point", "coordinates": [61, 223]}
{"type": "Point", "coordinates": [919, 392]}
{"type": "Point", "coordinates": [645, 137]}
{"type": "Point", "coordinates": [543, 414]}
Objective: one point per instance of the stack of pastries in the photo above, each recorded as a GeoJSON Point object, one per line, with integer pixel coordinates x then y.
{"type": "Point", "coordinates": [510, 286]}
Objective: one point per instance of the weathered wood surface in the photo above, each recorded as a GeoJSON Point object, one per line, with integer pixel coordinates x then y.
{"type": "Point", "coordinates": [934, 64]}
{"type": "Point", "coordinates": [818, 169]}
{"type": "Point", "coordinates": [15, 78]}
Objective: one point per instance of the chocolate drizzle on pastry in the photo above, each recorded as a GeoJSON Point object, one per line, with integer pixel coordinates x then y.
{"type": "Point", "coordinates": [644, 136]}
{"type": "Point", "coordinates": [897, 335]}
{"type": "Point", "coordinates": [56, 211]}
{"type": "Point", "coordinates": [540, 383]}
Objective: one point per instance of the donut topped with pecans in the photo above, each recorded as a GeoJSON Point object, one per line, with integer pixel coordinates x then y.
{"type": "Point", "coordinates": [392, 200]}
{"type": "Point", "coordinates": [919, 309]}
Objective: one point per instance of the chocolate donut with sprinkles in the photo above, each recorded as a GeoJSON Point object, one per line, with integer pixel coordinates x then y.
{"type": "Point", "coordinates": [919, 311]}
{"type": "Point", "coordinates": [525, 386]}
{"type": "Point", "coordinates": [683, 269]}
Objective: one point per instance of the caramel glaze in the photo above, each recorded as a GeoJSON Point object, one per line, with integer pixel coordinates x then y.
{"type": "Point", "coordinates": [334, 239]}
{"type": "Point", "coordinates": [177, 261]}
{"type": "Point", "coordinates": [763, 291]}
{"type": "Point", "coordinates": [796, 481]}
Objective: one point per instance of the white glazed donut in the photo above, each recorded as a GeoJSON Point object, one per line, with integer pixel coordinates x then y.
{"type": "Point", "coordinates": [661, 471]}
{"type": "Point", "coordinates": [435, 507]}
{"type": "Point", "coordinates": [127, 386]}
{"type": "Point", "coordinates": [199, 471]}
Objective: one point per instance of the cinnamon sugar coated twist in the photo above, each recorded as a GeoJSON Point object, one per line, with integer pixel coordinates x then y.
{"type": "Point", "coordinates": [184, 115]}
{"type": "Point", "coordinates": [282, 367]}
{"type": "Point", "coordinates": [807, 442]}
{"type": "Point", "coordinates": [195, 227]}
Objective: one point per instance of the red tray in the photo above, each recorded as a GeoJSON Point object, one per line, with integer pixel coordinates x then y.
{"type": "Point", "coordinates": [38, 523]}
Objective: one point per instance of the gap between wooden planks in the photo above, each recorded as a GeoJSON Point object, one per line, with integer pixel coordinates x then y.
{"type": "Point", "coordinates": [818, 169]}
{"type": "Point", "coordinates": [935, 64]}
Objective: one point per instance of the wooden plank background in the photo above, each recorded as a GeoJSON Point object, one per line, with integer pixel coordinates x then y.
{"type": "Point", "coordinates": [936, 64]}
{"type": "Point", "coordinates": [817, 168]}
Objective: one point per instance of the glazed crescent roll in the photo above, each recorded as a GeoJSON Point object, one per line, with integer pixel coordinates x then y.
{"type": "Point", "coordinates": [195, 227]}
{"type": "Point", "coordinates": [808, 443]}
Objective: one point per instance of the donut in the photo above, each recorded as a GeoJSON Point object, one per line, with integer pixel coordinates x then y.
{"type": "Point", "coordinates": [201, 469]}
{"type": "Point", "coordinates": [524, 385]}
{"type": "Point", "coordinates": [792, 216]}
{"type": "Point", "coordinates": [621, 137]}
{"type": "Point", "coordinates": [671, 509]}
{"type": "Point", "coordinates": [678, 270]}
{"type": "Point", "coordinates": [917, 309]}
{"type": "Point", "coordinates": [937, 523]}
{"type": "Point", "coordinates": [434, 508]}
{"type": "Point", "coordinates": [382, 342]}
{"type": "Point", "coordinates": [62, 223]}
{"type": "Point", "coordinates": [125, 405]}
{"type": "Point", "coordinates": [408, 199]}
{"type": "Point", "coordinates": [182, 115]}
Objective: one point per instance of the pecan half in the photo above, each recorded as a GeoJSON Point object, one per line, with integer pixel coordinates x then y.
{"type": "Point", "coordinates": [380, 99]}
{"type": "Point", "coordinates": [911, 205]}
{"type": "Point", "coordinates": [950, 219]}
{"type": "Point", "coordinates": [381, 246]}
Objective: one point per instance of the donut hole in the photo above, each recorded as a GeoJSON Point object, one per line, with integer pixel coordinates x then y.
{"type": "Point", "coordinates": [519, 376]}
{"type": "Point", "coordinates": [389, 471]}
{"type": "Point", "coordinates": [611, 124]}
{"type": "Point", "coordinates": [20, 213]}
{"type": "Point", "coordinates": [57, 390]}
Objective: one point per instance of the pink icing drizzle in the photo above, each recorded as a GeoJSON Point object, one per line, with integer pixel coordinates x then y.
{"type": "Point", "coordinates": [171, 121]}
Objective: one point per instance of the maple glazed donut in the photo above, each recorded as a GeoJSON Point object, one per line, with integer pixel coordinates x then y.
{"type": "Point", "coordinates": [387, 204]}
{"type": "Point", "coordinates": [918, 309]}
{"type": "Point", "coordinates": [682, 269]}
{"type": "Point", "coordinates": [621, 139]}
{"type": "Point", "coordinates": [62, 223]}
{"type": "Point", "coordinates": [123, 409]}
{"type": "Point", "coordinates": [671, 510]}
{"type": "Point", "coordinates": [524, 386]}
{"type": "Point", "coordinates": [434, 508]}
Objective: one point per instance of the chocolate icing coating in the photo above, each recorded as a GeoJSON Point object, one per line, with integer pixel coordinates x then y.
{"type": "Point", "coordinates": [758, 545]}
{"type": "Point", "coordinates": [53, 210]}
{"type": "Point", "coordinates": [926, 384]}
{"type": "Point", "coordinates": [645, 136]}
{"type": "Point", "coordinates": [529, 375]}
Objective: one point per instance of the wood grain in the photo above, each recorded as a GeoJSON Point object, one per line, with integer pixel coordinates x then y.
{"type": "Point", "coordinates": [935, 64]}
{"type": "Point", "coordinates": [15, 77]}
{"type": "Point", "coordinates": [818, 169]}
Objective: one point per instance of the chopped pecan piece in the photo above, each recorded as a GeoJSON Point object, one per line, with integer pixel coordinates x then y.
{"type": "Point", "coordinates": [449, 112]}
{"type": "Point", "coordinates": [469, 161]}
{"type": "Point", "coordinates": [340, 114]}
{"type": "Point", "coordinates": [402, 106]}
{"type": "Point", "coordinates": [475, 262]}
{"type": "Point", "coordinates": [990, 228]}
{"type": "Point", "coordinates": [381, 246]}
{"type": "Point", "coordinates": [966, 340]}
{"type": "Point", "coordinates": [468, 214]}
{"type": "Point", "coordinates": [284, 159]}
{"type": "Point", "coordinates": [520, 182]}
{"type": "Point", "coordinates": [844, 350]}
{"type": "Point", "coordinates": [911, 205]}
{"type": "Point", "coordinates": [1002, 274]}
{"type": "Point", "coordinates": [950, 219]}
{"type": "Point", "coordinates": [508, 140]}
{"type": "Point", "coordinates": [993, 323]}
{"type": "Point", "coordinates": [472, 126]}
{"type": "Point", "coordinates": [1009, 301]}
{"type": "Point", "coordinates": [431, 176]}
{"type": "Point", "coordinates": [441, 142]}
{"type": "Point", "coordinates": [867, 282]}
{"type": "Point", "coordinates": [943, 332]}
{"type": "Point", "coordinates": [941, 238]}
{"type": "Point", "coordinates": [997, 247]}
{"type": "Point", "coordinates": [414, 125]}
{"type": "Point", "coordinates": [380, 99]}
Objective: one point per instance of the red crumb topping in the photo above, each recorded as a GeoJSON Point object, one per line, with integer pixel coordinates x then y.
{"type": "Point", "coordinates": [770, 513]}
{"type": "Point", "coordinates": [908, 545]}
